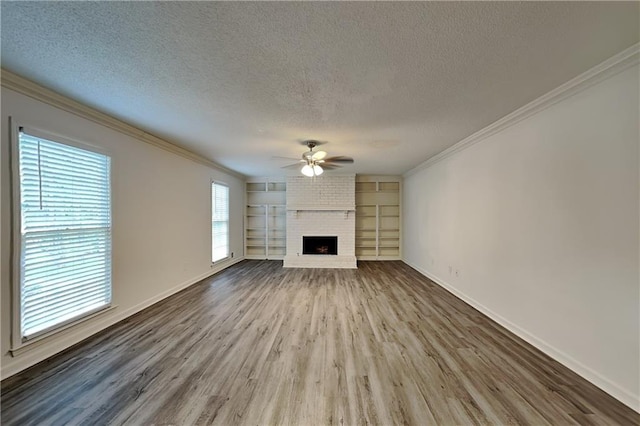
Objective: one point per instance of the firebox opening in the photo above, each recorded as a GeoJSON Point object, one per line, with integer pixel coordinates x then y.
{"type": "Point", "coordinates": [320, 245]}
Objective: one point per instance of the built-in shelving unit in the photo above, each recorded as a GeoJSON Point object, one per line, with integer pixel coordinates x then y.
{"type": "Point", "coordinates": [265, 219]}
{"type": "Point", "coordinates": [378, 217]}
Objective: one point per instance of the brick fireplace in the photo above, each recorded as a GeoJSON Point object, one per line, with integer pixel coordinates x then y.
{"type": "Point", "coordinates": [322, 206]}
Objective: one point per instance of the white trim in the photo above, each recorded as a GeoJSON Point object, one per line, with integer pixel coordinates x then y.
{"type": "Point", "coordinates": [60, 139]}
{"type": "Point", "coordinates": [378, 258]}
{"type": "Point", "coordinates": [25, 346]}
{"type": "Point", "coordinates": [211, 186]}
{"type": "Point", "coordinates": [263, 257]}
{"type": "Point", "coordinates": [18, 341]}
{"type": "Point", "coordinates": [44, 349]}
{"type": "Point", "coordinates": [600, 72]}
{"type": "Point", "coordinates": [28, 88]}
{"type": "Point", "coordinates": [622, 395]}
{"type": "Point", "coordinates": [309, 207]}
{"type": "Point", "coordinates": [16, 225]}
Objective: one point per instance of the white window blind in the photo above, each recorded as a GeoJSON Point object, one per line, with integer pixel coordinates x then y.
{"type": "Point", "coordinates": [219, 221]}
{"type": "Point", "coordinates": [65, 239]}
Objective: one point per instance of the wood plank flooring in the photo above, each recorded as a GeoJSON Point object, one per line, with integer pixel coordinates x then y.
{"type": "Point", "coordinates": [259, 344]}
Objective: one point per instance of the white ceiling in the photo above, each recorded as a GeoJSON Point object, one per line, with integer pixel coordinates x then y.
{"type": "Point", "coordinates": [390, 84]}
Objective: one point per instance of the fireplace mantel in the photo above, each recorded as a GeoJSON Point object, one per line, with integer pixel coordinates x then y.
{"type": "Point", "coordinates": [307, 207]}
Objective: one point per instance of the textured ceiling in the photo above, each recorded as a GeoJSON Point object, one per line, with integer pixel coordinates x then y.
{"type": "Point", "coordinates": [390, 84]}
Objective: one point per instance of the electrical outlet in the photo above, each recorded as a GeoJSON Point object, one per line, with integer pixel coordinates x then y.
{"type": "Point", "coordinates": [231, 254]}
{"type": "Point", "coordinates": [457, 273]}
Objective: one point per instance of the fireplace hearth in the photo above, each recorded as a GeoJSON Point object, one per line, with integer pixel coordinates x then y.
{"type": "Point", "coordinates": [320, 245]}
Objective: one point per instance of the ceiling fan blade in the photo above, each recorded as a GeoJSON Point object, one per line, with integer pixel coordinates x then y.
{"type": "Point", "coordinates": [290, 166]}
{"type": "Point", "coordinates": [329, 166]}
{"type": "Point", "coordinates": [318, 155]}
{"type": "Point", "coordinates": [339, 159]}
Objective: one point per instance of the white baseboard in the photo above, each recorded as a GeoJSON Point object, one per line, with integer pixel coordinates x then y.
{"type": "Point", "coordinates": [46, 348]}
{"type": "Point", "coordinates": [383, 258]}
{"type": "Point", "coordinates": [619, 393]}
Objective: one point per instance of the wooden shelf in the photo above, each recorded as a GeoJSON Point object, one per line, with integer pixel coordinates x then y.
{"type": "Point", "coordinates": [265, 219]}
{"type": "Point", "coordinates": [365, 186]}
{"type": "Point", "coordinates": [388, 186]}
{"type": "Point", "coordinates": [256, 186]}
{"type": "Point", "coordinates": [378, 217]}
{"type": "Point", "coordinates": [277, 186]}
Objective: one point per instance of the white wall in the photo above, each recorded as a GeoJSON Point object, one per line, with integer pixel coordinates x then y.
{"type": "Point", "coordinates": [539, 224]}
{"type": "Point", "coordinates": [161, 221]}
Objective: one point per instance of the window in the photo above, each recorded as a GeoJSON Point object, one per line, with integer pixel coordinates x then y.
{"type": "Point", "coordinates": [65, 233]}
{"type": "Point", "coordinates": [219, 221]}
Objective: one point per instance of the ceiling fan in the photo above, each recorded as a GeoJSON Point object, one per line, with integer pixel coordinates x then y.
{"type": "Point", "coordinates": [314, 162]}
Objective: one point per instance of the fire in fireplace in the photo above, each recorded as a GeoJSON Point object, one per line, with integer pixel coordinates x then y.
{"type": "Point", "coordinates": [320, 245]}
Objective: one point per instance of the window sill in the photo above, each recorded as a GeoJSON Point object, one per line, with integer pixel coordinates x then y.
{"type": "Point", "coordinates": [28, 345]}
{"type": "Point", "coordinates": [217, 262]}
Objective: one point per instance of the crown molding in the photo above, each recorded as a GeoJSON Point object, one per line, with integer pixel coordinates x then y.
{"type": "Point", "coordinates": [614, 65]}
{"type": "Point", "coordinates": [28, 88]}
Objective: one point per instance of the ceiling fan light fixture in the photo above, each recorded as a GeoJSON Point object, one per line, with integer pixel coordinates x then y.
{"type": "Point", "coordinates": [311, 170]}
{"type": "Point", "coordinates": [307, 170]}
{"type": "Point", "coordinates": [312, 161]}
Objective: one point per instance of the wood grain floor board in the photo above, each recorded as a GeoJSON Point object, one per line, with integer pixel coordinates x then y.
{"type": "Point", "coordinates": [258, 344]}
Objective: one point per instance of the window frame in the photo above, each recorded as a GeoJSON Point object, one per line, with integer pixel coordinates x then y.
{"type": "Point", "coordinates": [211, 207]}
{"type": "Point", "coordinates": [18, 341]}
